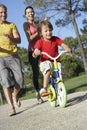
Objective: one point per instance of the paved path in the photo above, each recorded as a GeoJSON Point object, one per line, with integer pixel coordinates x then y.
{"type": "Point", "coordinates": [32, 116]}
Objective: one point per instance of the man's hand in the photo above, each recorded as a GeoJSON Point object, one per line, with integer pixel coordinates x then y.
{"type": "Point", "coordinates": [7, 36]}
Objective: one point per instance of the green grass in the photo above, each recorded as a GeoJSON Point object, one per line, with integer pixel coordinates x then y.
{"type": "Point", "coordinates": [76, 84]}
{"type": "Point", "coordinates": [28, 95]}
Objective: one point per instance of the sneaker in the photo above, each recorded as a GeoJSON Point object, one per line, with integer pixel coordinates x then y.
{"type": "Point", "coordinates": [43, 92]}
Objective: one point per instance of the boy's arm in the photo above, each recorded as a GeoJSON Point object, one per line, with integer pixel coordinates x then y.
{"type": "Point", "coordinates": [66, 48]}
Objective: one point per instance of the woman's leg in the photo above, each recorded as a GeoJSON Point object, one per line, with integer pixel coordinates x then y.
{"type": "Point", "coordinates": [35, 69]}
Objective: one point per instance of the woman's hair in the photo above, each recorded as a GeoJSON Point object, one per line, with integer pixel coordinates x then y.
{"type": "Point", "coordinates": [29, 7]}
{"type": "Point", "coordinates": [2, 5]}
{"type": "Point", "coordinates": [45, 23]}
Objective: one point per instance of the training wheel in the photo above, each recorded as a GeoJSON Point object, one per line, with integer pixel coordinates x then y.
{"type": "Point", "coordinates": [52, 94]}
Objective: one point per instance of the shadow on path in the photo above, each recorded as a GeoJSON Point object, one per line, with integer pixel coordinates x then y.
{"type": "Point", "coordinates": [76, 100]}
{"type": "Point", "coordinates": [29, 107]}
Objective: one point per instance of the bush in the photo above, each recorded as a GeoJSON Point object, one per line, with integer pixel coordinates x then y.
{"type": "Point", "coordinates": [72, 65]}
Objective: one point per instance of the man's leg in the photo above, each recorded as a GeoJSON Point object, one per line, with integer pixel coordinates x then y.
{"type": "Point", "coordinates": [16, 101]}
{"type": "Point", "coordinates": [8, 96]}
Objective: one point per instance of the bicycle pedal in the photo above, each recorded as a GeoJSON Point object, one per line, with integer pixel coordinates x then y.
{"type": "Point", "coordinates": [44, 94]}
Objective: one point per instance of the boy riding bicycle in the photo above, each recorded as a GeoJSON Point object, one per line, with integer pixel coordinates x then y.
{"type": "Point", "coordinates": [49, 44]}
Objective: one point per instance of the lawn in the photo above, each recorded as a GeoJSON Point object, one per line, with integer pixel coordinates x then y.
{"type": "Point", "coordinates": [75, 84]}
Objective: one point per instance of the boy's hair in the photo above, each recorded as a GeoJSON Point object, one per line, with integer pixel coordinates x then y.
{"type": "Point", "coordinates": [45, 23]}
{"type": "Point", "coordinates": [2, 5]}
{"type": "Point", "coordinates": [29, 7]}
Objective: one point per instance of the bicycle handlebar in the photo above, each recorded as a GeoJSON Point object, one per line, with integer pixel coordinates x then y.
{"type": "Point", "coordinates": [54, 58]}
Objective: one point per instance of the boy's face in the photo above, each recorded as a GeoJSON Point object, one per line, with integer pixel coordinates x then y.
{"type": "Point", "coordinates": [46, 32]}
{"type": "Point", "coordinates": [3, 14]}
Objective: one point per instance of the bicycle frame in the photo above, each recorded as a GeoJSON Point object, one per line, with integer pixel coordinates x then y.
{"type": "Point", "coordinates": [55, 63]}
{"type": "Point", "coordinates": [54, 84]}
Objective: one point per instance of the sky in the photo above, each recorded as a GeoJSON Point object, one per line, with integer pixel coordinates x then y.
{"type": "Point", "coordinates": [15, 14]}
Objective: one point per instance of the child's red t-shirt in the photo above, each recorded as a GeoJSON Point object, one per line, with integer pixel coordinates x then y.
{"type": "Point", "coordinates": [50, 47]}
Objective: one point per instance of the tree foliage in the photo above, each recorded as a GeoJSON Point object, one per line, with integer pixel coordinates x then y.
{"type": "Point", "coordinates": [85, 4]}
{"type": "Point", "coordinates": [73, 66]}
{"type": "Point", "coordinates": [60, 9]}
{"type": "Point", "coordinates": [65, 12]}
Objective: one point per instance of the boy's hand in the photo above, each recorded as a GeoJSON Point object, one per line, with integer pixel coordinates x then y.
{"type": "Point", "coordinates": [36, 53]}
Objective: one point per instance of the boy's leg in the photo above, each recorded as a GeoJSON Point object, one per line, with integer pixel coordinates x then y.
{"type": "Point", "coordinates": [46, 67]}
{"type": "Point", "coordinates": [46, 79]}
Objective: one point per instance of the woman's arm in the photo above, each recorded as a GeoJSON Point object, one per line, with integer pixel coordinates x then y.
{"type": "Point", "coordinates": [29, 36]}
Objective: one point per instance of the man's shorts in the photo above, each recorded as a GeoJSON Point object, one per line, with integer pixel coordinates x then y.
{"type": "Point", "coordinates": [9, 65]}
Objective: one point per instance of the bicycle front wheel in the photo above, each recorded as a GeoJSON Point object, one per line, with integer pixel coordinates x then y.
{"type": "Point", "coordinates": [61, 94]}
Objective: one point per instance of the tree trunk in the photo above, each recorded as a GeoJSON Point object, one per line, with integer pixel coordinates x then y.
{"type": "Point", "coordinates": [79, 41]}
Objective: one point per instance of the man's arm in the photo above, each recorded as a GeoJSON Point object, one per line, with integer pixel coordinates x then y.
{"type": "Point", "coordinates": [16, 37]}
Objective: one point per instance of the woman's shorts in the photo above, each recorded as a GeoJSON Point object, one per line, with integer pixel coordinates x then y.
{"type": "Point", "coordinates": [11, 72]}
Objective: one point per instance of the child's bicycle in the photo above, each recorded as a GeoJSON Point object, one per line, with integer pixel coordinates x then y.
{"type": "Point", "coordinates": [56, 91]}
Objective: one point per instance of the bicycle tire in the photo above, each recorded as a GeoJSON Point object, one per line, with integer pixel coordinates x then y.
{"type": "Point", "coordinates": [61, 94]}
{"type": "Point", "coordinates": [52, 94]}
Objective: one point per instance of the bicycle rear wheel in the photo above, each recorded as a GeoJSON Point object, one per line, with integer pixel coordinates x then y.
{"type": "Point", "coordinates": [61, 94]}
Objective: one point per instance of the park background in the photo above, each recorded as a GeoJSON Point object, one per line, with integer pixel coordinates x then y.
{"type": "Point", "coordinates": [15, 14]}
{"type": "Point", "coordinates": [72, 80]}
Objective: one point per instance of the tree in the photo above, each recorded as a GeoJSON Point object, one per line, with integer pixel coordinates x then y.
{"type": "Point", "coordinates": [85, 4]}
{"type": "Point", "coordinates": [67, 10]}
{"type": "Point", "coordinates": [84, 30]}
{"type": "Point", "coordinates": [73, 66]}
{"type": "Point", "coordinates": [72, 63]}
